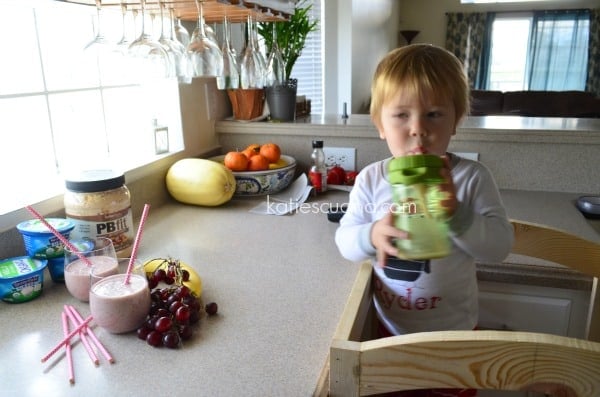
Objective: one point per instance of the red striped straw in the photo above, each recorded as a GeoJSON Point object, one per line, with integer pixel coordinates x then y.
{"type": "Point", "coordinates": [83, 337]}
{"type": "Point", "coordinates": [91, 333]}
{"type": "Point", "coordinates": [65, 325]}
{"type": "Point", "coordinates": [66, 339]}
{"type": "Point", "coordinates": [136, 242]}
{"type": "Point", "coordinates": [62, 238]}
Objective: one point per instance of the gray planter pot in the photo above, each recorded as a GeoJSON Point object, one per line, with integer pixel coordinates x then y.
{"type": "Point", "coordinates": [282, 100]}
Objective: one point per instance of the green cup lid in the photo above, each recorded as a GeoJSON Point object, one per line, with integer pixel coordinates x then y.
{"type": "Point", "coordinates": [421, 168]}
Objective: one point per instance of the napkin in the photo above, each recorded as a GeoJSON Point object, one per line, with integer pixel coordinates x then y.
{"type": "Point", "coordinates": [286, 201]}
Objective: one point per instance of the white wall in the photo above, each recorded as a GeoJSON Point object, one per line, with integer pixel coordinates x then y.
{"type": "Point", "coordinates": [357, 35]}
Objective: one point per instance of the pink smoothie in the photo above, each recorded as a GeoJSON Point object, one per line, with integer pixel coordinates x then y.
{"type": "Point", "coordinates": [119, 307]}
{"type": "Point", "coordinates": [77, 274]}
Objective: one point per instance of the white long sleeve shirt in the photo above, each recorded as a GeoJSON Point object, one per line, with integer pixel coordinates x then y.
{"type": "Point", "coordinates": [444, 296]}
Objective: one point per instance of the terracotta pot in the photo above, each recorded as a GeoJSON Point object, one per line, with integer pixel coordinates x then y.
{"type": "Point", "coordinates": [247, 104]}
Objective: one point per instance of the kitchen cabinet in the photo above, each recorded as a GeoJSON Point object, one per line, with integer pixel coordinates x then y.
{"type": "Point", "coordinates": [533, 308]}
{"type": "Point", "coordinates": [213, 10]}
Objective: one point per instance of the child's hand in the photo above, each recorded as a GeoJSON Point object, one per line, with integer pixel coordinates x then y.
{"type": "Point", "coordinates": [449, 203]}
{"type": "Point", "coordinates": [383, 234]}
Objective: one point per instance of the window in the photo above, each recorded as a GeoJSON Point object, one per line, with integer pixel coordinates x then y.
{"type": "Point", "coordinates": [544, 50]}
{"type": "Point", "coordinates": [510, 38]}
{"type": "Point", "coordinates": [56, 113]}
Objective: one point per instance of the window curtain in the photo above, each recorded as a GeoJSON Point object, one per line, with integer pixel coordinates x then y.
{"type": "Point", "coordinates": [593, 77]}
{"type": "Point", "coordinates": [559, 50]}
{"type": "Point", "coordinates": [465, 37]}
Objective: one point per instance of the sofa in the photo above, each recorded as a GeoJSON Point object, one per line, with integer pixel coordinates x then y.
{"type": "Point", "coordinates": [535, 103]}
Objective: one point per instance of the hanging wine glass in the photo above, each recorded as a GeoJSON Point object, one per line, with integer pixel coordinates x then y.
{"type": "Point", "coordinates": [231, 74]}
{"type": "Point", "coordinates": [151, 59]}
{"type": "Point", "coordinates": [122, 60]}
{"type": "Point", "coordinates": [275, 73]}
{"type": "Point", "coordinates": [99, 39]}
{"type": "Point", "coordinates": [176, 51]}
{"type": "Point", "coordinates": [252, 69]}
{"type": "Point", "coordinates": [183, 65]}
{"type": "Point", "coordinates": [205, 55]}
{"type": "Point", "coordinates": [181, 33]}
{"type": "Point", "coordinates": [258, 53]}
{"type": "Point", "coordinates": [127, 30]}
{"type": "Point", "coordinates": [100, 51]}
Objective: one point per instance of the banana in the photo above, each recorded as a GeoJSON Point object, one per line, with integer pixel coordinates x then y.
{"type": "Point", "coordinates": [279, 164]}
{"type": "Point", "coordinates": [195, 281]}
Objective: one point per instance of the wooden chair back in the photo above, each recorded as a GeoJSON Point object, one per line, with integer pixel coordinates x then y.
{"type": "Point", "coordinates": [497, 360]}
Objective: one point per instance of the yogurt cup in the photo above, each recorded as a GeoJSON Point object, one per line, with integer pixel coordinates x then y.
{"type": "Point", "coordinates": [41, 243]}
{"type": "Point", "coordinates": [21, 279]}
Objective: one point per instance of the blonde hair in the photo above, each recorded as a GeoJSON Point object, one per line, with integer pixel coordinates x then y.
{"type": "Point", "coordinates": [422, 69]}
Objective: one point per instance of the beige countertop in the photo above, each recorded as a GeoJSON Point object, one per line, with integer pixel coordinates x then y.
{"type": "Point", "coordinates": [280, 284]}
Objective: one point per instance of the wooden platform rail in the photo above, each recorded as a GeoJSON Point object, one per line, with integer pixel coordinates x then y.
{"type": "Point", "coordinates": [360, 365]}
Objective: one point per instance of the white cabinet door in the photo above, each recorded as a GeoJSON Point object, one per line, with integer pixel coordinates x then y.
{"type": "Point", "coordinates": [524, 313]}
{"type": "Point", "coordinates": [533, 308]}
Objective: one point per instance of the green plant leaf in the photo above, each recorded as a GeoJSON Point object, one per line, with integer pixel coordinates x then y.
{"type": "Point", "coordinates": [291, 34]}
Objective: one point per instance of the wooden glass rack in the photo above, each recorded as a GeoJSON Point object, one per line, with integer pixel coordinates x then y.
{"type": "Point", "coordinates": [214, 10]}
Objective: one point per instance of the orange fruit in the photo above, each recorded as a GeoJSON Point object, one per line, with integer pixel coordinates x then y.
{"type": "Point", "coordinates": [258, 163]}
{"type": "Point", "coordinates": [236, 161]}
{"type": "Point", "coordinates": [251, 150]}
{"type": "Point", "coordinates": [271, 151]}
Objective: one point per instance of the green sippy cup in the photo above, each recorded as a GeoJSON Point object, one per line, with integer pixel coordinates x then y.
{"type": "Point", "coordinates": [417, 195]}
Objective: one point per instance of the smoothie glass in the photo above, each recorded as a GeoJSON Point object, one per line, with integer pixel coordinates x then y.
{"type": "Point", "coordinates": [100, 252]}
{"type": "Point", "coordinates": [119, 307]}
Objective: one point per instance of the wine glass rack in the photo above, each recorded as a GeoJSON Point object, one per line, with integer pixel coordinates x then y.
{"type": "Point", "coordinates": [214, 10]}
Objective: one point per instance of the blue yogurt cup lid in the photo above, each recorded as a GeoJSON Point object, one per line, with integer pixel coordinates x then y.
{"type": "Point", "coordinates": [34, 227]}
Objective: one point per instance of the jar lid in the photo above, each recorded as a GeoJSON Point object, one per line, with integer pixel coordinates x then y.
{"type": "Point", "coordinates": [317, 144]}
{"type": "Point", "coordinates": [95, 181]}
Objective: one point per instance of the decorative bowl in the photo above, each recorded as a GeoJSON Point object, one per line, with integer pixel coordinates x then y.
{"type": "Point", "coordinates": [260, 183]}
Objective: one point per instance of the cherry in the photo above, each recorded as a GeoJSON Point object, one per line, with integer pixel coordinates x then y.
{"type": "Point", "coordinates": [211, 308]}
{"type": "Point", "coordinates": [171, 339]}
{"type": "Point", "coordinates": [152, 282]}
{"type": "Point", "coordinates": [143, 332]}
{"type": "Point", "coordinates": [182, 315]}
{"type": "Point", "coordinates": [175, 306]}
{"type": "Point", "coordinates": [159, 275]}
{"type": "Point", "coordinates": [154, 338]}
{"type": "Point", "coordinates": [186, 332]}
{"type": "Point", "coordinates": [163, 324]}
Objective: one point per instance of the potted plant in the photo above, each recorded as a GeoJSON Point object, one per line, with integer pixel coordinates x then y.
{"type": "Point", "coordinates": [288, 38]}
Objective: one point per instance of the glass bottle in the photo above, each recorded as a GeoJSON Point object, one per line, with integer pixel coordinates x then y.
{"type": "Point", "coordinates": [318, 172]}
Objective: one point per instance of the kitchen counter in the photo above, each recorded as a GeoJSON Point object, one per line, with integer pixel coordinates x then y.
{"type": "Point", "coordinates": [280, 284]}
